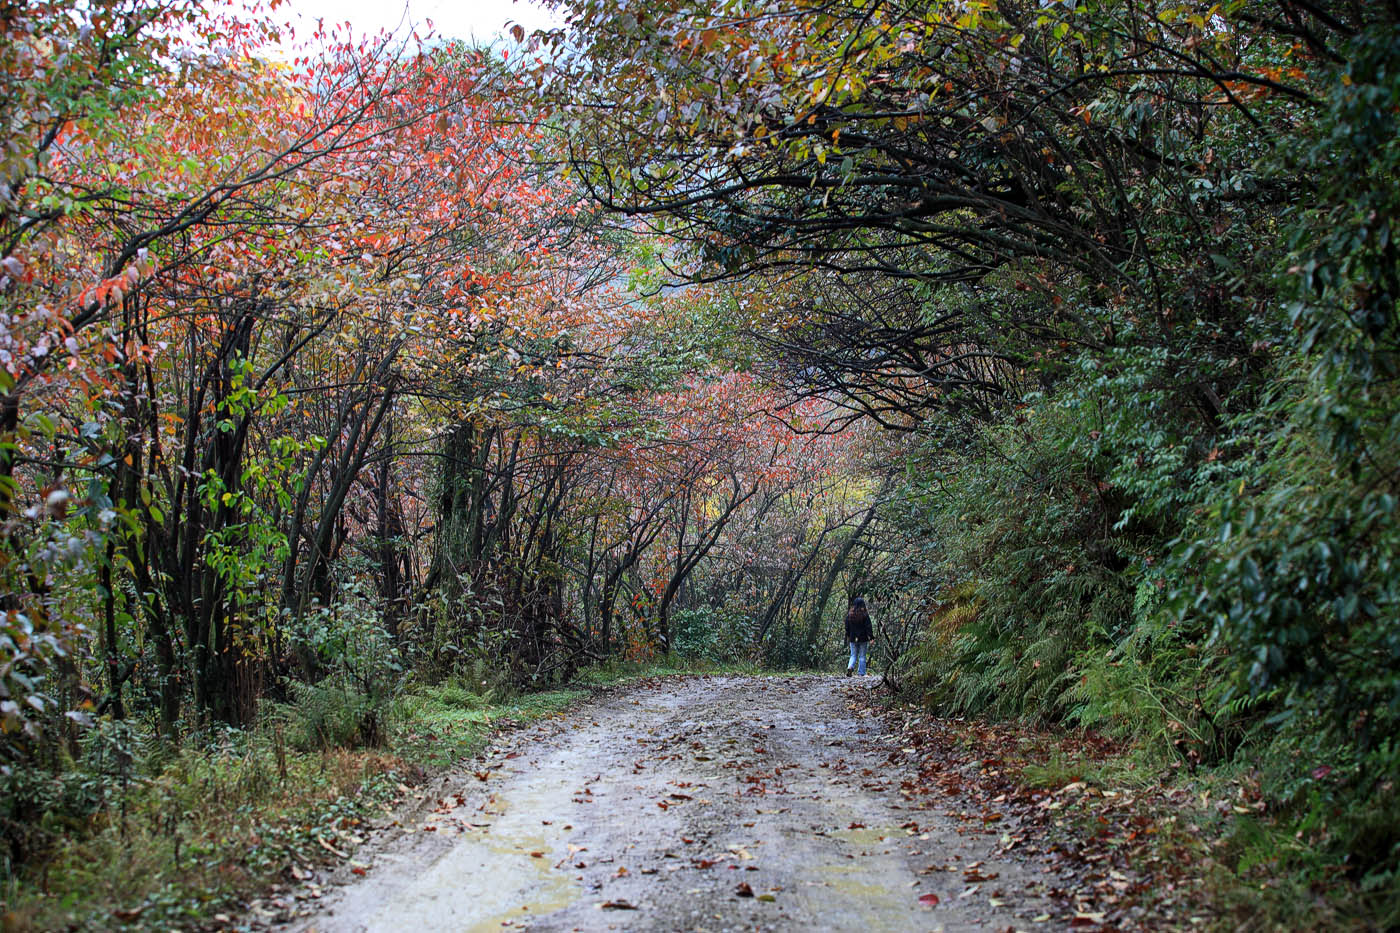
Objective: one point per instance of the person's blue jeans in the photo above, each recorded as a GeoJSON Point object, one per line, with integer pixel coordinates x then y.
{"type": "Point", "coordinates": [858, 652]}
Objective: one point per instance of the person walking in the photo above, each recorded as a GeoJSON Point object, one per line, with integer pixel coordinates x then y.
{"type": "Point", "coordinates": [859, 635]}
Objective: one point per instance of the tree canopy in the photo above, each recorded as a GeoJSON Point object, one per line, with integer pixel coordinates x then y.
{"type": "Point", "coordinates": [1065, 332]}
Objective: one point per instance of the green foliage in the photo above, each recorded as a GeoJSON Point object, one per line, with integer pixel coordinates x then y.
{"type": "Point", "coordinates": [334, 713]}
{"type": "Point", "coordinates": [175, 833]}
{"type": "Point", "coordinates": [1218, 605]}
{"type": "Point", "coordinates": [694, 635]}
{"type": "Point", "coordinates": [1126, 273]}
{"type": "Point", "coordinates": [1015, 520]}
{"type": "Point", "coordinates": [451, 638]}
{"type": "Point", "coordinates": [348, 639]}
{"type": "Point", "coordinates": [360, 673]}
{"type": "Point", "coordinates": [715, 636]}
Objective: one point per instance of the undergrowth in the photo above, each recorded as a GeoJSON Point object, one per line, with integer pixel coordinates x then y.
{"type": "Point", "coordinates": [145, 834]}
{"type": "Point", "coordinates": [1225, 605]}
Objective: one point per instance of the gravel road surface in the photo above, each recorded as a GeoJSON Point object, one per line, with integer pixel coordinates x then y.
{"type": "Point", "coordinates": [702, 803]}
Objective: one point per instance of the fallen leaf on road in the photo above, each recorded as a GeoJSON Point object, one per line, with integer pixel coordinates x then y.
{"type": "Point", "coordinates": [929, 900]}
{"type": "Point", "coordinates": [743, 889]}
{"type": "Point", "coordinates": [617, 905]}
{"type": "Point", "coordinates": [336, 852]}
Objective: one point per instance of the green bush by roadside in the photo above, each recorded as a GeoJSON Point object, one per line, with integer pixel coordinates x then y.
{"type": "Point", "coordinates": [143, 832]}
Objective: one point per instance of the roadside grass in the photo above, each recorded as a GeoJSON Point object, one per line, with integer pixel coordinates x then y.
{"type": "Point", "coordinates": [179, 837]}
{"type": "Point", "coordinates": [206, 828]}
{"type": "Point", "coordinates": [1193, 849]}
{"type": "Point", "coordinates": [1219, 857]}
{"type": "Point", "coordinates": [618, 671]}
{"type": "Point", "coordinates": [446, 723]}
{"type": "Point", "coordinates": [1271, 868]}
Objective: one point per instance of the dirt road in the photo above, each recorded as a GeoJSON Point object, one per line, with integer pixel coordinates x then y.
{"type": "Point", "coordinates": [707, 803]}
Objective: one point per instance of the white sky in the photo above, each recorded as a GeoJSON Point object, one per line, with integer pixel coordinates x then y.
{"type": "Point", "coordinates": [481, 20]}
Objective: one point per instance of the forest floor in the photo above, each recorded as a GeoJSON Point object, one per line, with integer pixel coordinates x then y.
{"type": "Point", "coordinates": [736, 802]}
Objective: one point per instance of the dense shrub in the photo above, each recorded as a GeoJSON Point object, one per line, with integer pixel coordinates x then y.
{"type": "Point", "coordinates": [713, 635]}
{"type": "Point", "coordinates": [354, 673]}
{"type": "Point", "coordinates": [1187, 536]}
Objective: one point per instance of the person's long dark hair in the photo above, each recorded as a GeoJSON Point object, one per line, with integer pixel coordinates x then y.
{"type": "Point", "coordinates": [857, 611]}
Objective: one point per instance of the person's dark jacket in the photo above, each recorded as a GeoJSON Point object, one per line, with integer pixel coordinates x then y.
{"type": "Point", "coordinates": [858, 626]}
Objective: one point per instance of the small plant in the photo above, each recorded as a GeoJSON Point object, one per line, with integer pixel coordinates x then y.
{"type": "Point", "coordinates": [354, 674]}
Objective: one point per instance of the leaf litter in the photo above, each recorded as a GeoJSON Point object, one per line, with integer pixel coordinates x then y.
{"type": "Point", "coordinates": [782, 759]}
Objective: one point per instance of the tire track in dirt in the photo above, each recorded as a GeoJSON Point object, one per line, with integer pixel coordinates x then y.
{"type": "Point", "coordinates": [699, 803]}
